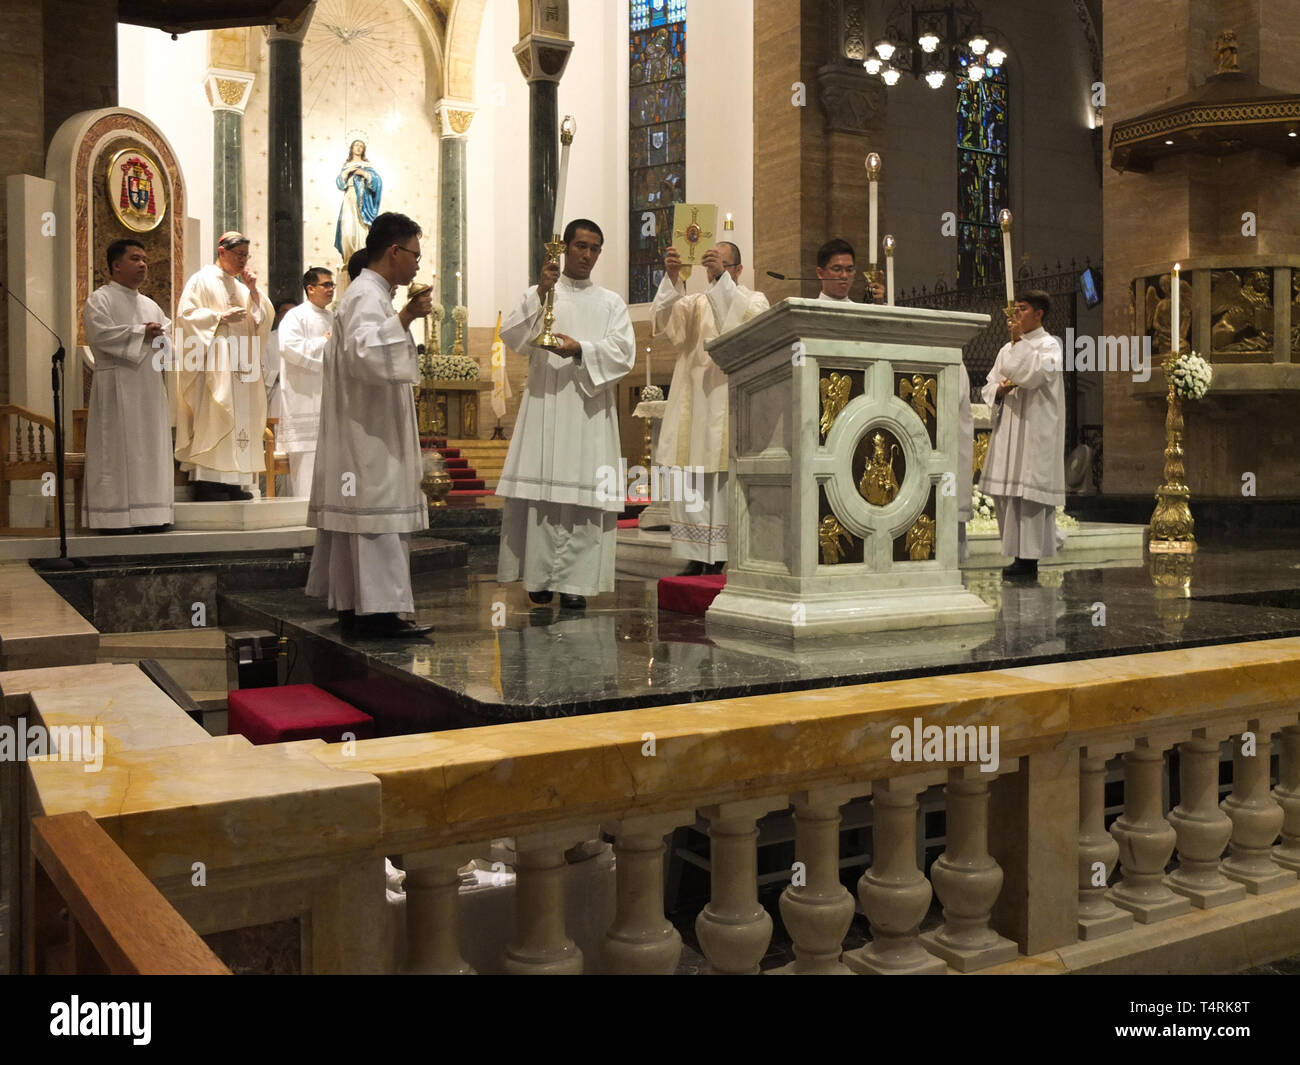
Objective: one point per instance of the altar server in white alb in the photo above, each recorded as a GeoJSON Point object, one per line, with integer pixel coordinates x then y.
{"type": "Point", "coordinates": [128, 479]}
{"type": "Point", "coordinates": [220, 393]}
{"type": "Point", "coordinates": [1024, 470]}
{"type": "Point", "coordinates": [559, 519]}
{"type": "Point", "coordinates": [836, 269]}
{"type": "Point", "coordinates": [693, 437]}
{"type": "Point", "coordinates": [365, 495]}
{"type": "Point", "coordinates": [302, 337]}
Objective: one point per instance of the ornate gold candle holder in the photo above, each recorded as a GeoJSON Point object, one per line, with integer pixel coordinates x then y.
{"type": "Point", "coordinates": [547, 339]}
{"type": "Point", "coordinates": [459, 315]}
{"type": "Point", "coordinates": [1171, 522]}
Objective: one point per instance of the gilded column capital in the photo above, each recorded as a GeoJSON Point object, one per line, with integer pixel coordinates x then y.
{"type": "Point", "coordinates": [542, 57]}
{"type": "Point", "coordinates": [454, 116]}
{"type": "Point", "coordinates": [228, 90]}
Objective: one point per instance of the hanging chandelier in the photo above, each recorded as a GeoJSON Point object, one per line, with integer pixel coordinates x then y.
{"type": "Point", "coordinates": [945, 42]}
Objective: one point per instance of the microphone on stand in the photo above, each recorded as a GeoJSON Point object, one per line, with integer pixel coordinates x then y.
{"type": "Point", "coordinates": [56, 379]}
{"type": "Point", "coordinates": [786, 277]}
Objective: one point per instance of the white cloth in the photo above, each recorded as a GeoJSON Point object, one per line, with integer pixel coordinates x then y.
{"type": "Point", "coordinates": [694, 427]}
{"type": "Point", "coordinates": [128, 476]}
{"type": "Point", "coordinates": [557, 547]}
{"type": "Point", "coordinates": [1026, 456]}
{"type": "Point", "coordinates": [302, 466]}
{"type": "Point", "coordinates": [367, 573]}
{"type": "Point", "coordinates": [303, 334]}
{"type": "Point", "coordinates": [701, 534]}
{"type": "Point", "coordinates": [368, 463]}
{"type": "Point", "coordinates": [1028, 529]}
{"type": "Point", "coordinates": [833, 299]}
{"type": "Point", "coordinates": [220, 395]}
{"type": "Point", "coordinates": [366, 483]}
{"type": "Point", "coordinates": [965, 448]}
{"type": "Point", "coordinates": [271, 375]}
{"type": "Point", "coordinates": [565, 442]}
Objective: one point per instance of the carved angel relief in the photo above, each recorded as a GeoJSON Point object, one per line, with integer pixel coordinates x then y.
{"type": "Point", "coordinates": [1241, 310]}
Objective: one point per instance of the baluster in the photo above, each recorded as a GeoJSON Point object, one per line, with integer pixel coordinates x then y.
{"type": "Point", "coordinates": [1203, 829]}
{"type": "Point", "coordinates": [1098, 916]}
{"type": "Point", "coordinates": [1287, 794]}
{"type": "Point", "coordinates": [967, 878]}
{"type": "Point", "coordinates": [40, 434]}
{"type": "Point", "coordinates": [733, 929]}
{"type": "Point", "coordinates": [31, 442]}
{"type": "Point", "coordinates": [1256, 817]}
{"type": "Point", "coordinates": [1146, 840]}
{"type": "Point", "coordinates": [818, 912]}
{"type": "Point", "coordinates": [894, 893]}
{"type": "Point", "coordinates": [540, 945]}
{"type": "Point", "coordinates": [641, 940]}
{"type": "Point", "coordinates": [433, 910]}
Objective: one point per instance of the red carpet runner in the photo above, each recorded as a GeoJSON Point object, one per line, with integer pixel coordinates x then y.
{"type": "Point", "coordinates": [690, 595]}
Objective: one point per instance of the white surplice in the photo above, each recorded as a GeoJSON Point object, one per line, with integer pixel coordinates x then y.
{"type": "Point", "coordinates": [220, 393]}
{"type": "Point", "coordinates": [694, 429]}
{"type": "Point", "coordinates": [128, 478]}
{"type": "Point", "coordinates": [559, 519]}
{"type": "Point", "coordinates": [365, 493]}
{"type": "Point", "coordinates": [303, 333]}
{"type": "Point", "coordinates": [1026, 455]}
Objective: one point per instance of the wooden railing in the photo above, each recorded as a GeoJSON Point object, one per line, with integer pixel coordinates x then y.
{"type": "Point", "coordinates": [93, 911]}
{"type": "Point", "coordinates": [27, 454]}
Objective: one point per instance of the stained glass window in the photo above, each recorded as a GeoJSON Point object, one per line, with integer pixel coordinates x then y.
{"type": "Point", "coordinates": [656, 136]}
{"type": "Point", "coordinates": [983, 177]}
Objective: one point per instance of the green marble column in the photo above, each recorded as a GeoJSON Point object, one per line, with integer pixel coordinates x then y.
{"type": "Point", "coordinates": [542, 58]}
{"type": "Point", "coordinates": [227, 171]}
{"type": "Point", "coordinates": [284, 171]}
{"type": "Point", "coordinates": [452, 249]}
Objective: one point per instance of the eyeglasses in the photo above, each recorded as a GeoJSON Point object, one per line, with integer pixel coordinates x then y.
{"type": "Point", "coordinates": [838, 271]}
{"type": "Point", "coordinates": [408, 251]}
{"type": "Point", "coordinates": [323, 284]}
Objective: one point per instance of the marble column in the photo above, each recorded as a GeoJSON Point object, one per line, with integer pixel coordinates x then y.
{"type": "Point", "coordinates": [228, 92]}
{"type": "Point", "coordinates": [454, 118]}
{"type": "Point", "coordinates": [542, 56]}
{"type": "Point", "coordinates": [284, 251]}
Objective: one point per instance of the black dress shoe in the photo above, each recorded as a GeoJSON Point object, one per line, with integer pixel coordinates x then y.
{"type": "Point", "coordinates": [388, 627]}
{"type": "Point", "coordinates": [1022, 567]}
{"type": "Point", "coordinates": [694, 568]}
{"type": "Point", "coordinates": [233, 491]}
{"type": "Point", "coordinates": [209, 492]}
{"type": "Point", "coordinates": [347, 620]}
{"type": "Point", "coordinates": [541, 598]}
{"type": "Point", "coordinates": [714, 567]}
{"type": "Point", "coordinates": [572, 602]}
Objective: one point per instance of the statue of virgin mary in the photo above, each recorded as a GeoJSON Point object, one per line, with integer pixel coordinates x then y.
{"type": "Point", "coordinates": [362, 189]}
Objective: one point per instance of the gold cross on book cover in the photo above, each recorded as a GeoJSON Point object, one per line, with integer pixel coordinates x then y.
{"type": "Point", "coordinates": [693, 230]}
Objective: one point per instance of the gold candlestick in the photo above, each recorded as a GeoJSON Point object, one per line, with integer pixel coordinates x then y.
{"type": "Point", "coordinates": [458, 315]}
{"type": "Point", "coordinates": [547, 339]}
{"type": "Point", "coordinates": [1171, 521]}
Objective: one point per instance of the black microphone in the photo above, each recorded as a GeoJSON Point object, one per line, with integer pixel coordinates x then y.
{"type": "Point", "coordinates": [59, 355]}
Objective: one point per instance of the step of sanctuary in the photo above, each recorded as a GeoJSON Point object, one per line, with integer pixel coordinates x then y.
{"type": "Point", "coordinates": [148, 593]}
{"type": "Point", "coordinates": [37, 626]}
{"type": "Point", "coordinates": [194, 658]}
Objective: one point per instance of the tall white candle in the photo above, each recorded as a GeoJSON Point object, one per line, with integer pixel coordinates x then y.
{"type": "Point", "coordinates": [437, 289]}
{"type": "Point", "coordinates": [647, 366]}
{"type": "Point", "coordinates": [567, 129]}
{"type": "Point", "coordinates": [890, 245]}
{"type": "Point", "coordinates": [873, 199]}
{"type": "Point", "coordinates": [1005, 219]}
{"type": "Point", "coordinates": [1175, 312]}
{"type": "Point", "coordinates": [460, 299]}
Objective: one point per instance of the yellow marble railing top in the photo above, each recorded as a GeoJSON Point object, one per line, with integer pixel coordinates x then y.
{"type": "Point", "coordinates": [31, 612]}
{"type": "Point", "coordinates": [471, 784]}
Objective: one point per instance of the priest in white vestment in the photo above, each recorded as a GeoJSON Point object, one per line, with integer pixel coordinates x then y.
{"type": "Point", "coordinates": [365, 496]}
{"type": "Point", "coordinates": [559, 519]}
{"type": "Point", "coordinates": [836, 263]}
{"type": "Point", "coordinates": [1024, 470]}
{"type": "Point", "coordinates": [302, 337]}
{"type": "Point", "coordinates": [693, 436]}
{"type": "Point", "coordinates": [220, 394]}
{"type": "Point", "coordinates": [128, 477]}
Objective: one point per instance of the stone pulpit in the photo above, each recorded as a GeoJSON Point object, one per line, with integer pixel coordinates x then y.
{"type": "Point", "coordinates": [843, 455]}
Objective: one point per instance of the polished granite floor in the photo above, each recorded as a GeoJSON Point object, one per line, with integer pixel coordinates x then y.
{"type": "Point", "coordinates": [495, 658]}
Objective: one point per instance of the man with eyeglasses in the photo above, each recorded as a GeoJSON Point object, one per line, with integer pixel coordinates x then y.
{"type": "Point", "coordinates": [836, 269]}
{"type": "Point", "coordinates": [693, 436]}
{"type": "Point", "coordinates": [303, 334]}
{"type": "Point", "coordinates": [559, 520]}
{"type": "Point", "coordinates": [220, 394]}
{"type": "Point", "coordinates": [365, 493]}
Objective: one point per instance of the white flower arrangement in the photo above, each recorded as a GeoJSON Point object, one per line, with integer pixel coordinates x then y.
{"type": "Point", "coordinates": [982, 506]}
{"type": "Point", "coordinates": [984, 516]}
{"type": "Point", "coordinates": [1191, 375]}
{"type": "Point", "coordinates": [453, 368]}
{"type": "Point", "coordinates": [651, 394]}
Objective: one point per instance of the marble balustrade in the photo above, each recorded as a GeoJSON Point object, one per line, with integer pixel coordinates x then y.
{"type": "Point", "coordinates": [1030, 879]}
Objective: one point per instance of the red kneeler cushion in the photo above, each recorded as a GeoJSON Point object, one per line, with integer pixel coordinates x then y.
{"type": "Point", "coordinates": [295, 712]}
{"type": "Point", "coordinates": [690, 595]}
